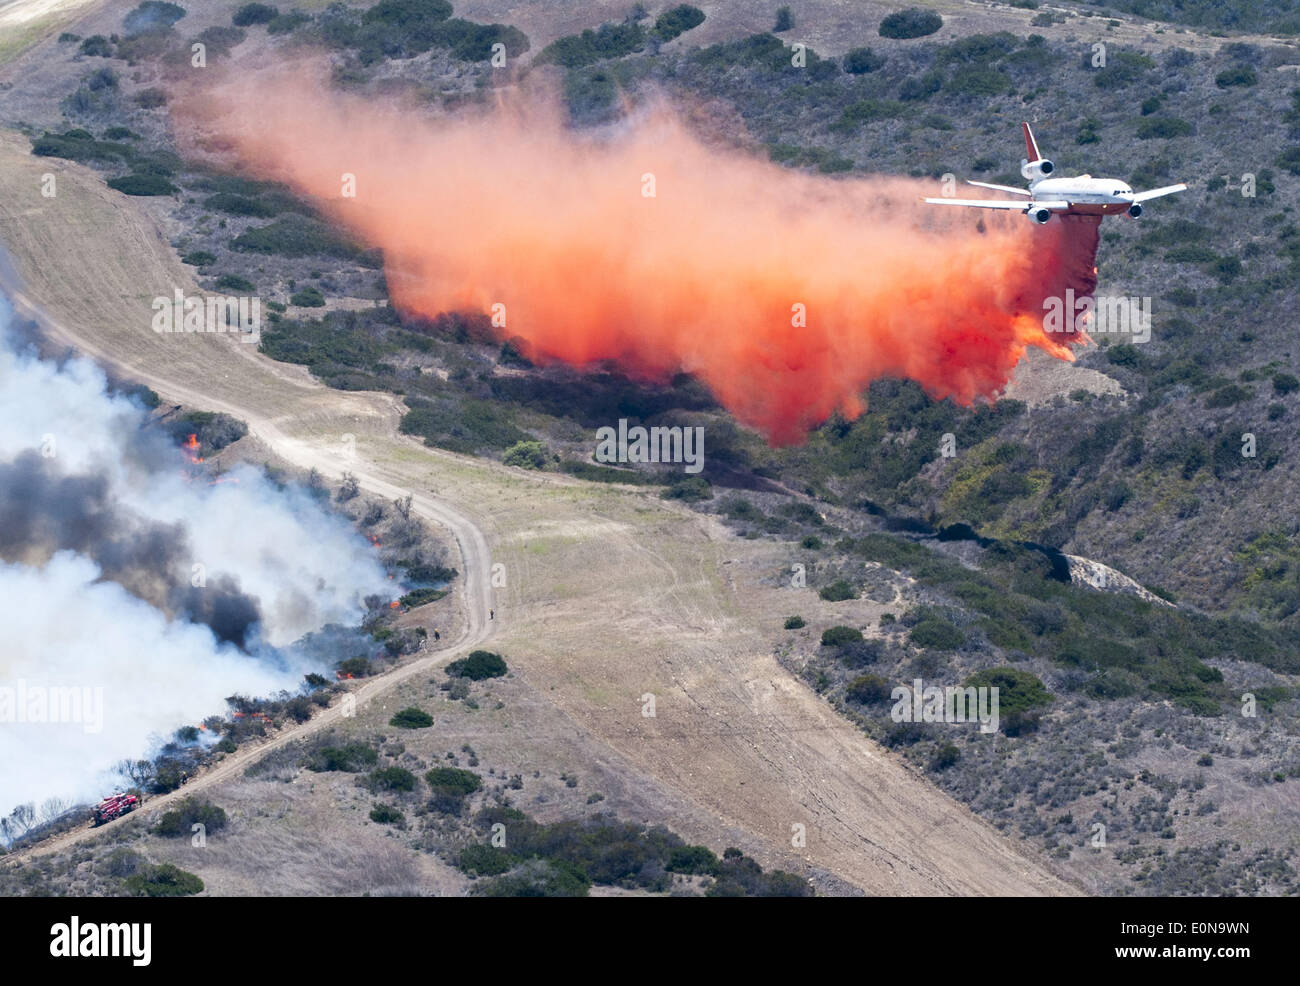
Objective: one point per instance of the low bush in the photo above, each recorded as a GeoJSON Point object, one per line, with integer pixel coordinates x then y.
{"type": "Point", "coordinates": [254, 13]}
{"type": "Point", "coordinates": [839, 636]}
{"type": "Point", "coordinates": [910, 23]}
{"type": "Point", "coordinates": [411, 718]}
{"type": "Point", "coordinates": [480, 664]}
{"type": "Point", "coordinates": [454, 780]}
{"type": "Point", "coordinates": [677, 20]}
{"type": "Point", "coordinates": [938, 634]}
{"type": "Point", "coordinates": [163, 880]}
{"type": "Point", "coordinates": [188, 813]}
{"type": "Point", "coordinates": [868, 689]}
{"type": "Point", "coordinates": [1018, 691]}
{"type": "Point", "coordinates": [392, 779]}
{"type": "Point", "coordinates": [142, 185]}
{"type": "Point", "coordinates": [386, 815]}
{"type": "Point", "coordinates": [526, 455]}
{"type": "Point", "coordinates": [351, 758]}
{"type": "Point", "coordinates": [838, 591]}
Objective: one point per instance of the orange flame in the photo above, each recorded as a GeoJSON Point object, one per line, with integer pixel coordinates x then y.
{"type": "Point", "coordinates": [190, 449]}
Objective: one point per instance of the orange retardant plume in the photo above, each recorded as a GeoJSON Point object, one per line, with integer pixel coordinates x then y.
{"type": "Point", "coordinates": [786, 293]}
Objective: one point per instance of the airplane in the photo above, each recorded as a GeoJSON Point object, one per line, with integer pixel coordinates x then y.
{"type": "Point", "coordinates": [1081, 196]}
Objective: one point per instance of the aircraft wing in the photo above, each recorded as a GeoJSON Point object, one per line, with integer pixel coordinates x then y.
{"type": "Point", "coordinates": [1000, 188]}
{"type": "Point", "coordinates": [995, 204]}
{"type": "Point", "coordinates": [1155, 193]}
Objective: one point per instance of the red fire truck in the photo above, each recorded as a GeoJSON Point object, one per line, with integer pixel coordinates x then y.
{"type": "Point", "coordinates": [113, 806]}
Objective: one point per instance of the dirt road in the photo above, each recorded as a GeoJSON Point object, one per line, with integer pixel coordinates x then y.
{"type": "Point", "coordinates": [473, 592]}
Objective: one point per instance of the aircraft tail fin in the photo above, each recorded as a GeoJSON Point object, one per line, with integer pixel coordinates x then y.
{"type": "Point", "coordinates": [1031, 145]}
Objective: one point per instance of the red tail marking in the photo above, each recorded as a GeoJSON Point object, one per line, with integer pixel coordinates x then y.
{"type": "Point", "coordinates": [1031, 145]}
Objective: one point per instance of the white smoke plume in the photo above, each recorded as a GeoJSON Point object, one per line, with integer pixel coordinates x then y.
{"type": "Point", "coordinates": [100, 530]}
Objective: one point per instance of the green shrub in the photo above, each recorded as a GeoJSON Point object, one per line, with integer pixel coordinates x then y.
{"type": "Point", "coordinates": [233, 282]}
{"type": "Point", "coordinates": [1285, 383]}
{"type": "Point", "coordinates": [920, 87]}
{"type": "Point", "coordinates": [221, 39]}
{"type": "Point", "coordinates": [254, 13]}
{"type": "Point", "coordinates": [1019, 723]}
{"type": "Point", "coordinates": [840, 636]}
{"type": "Point", "coordinates": [1122, 68]}
{"type": "Point", "coordinates": [298, 236]}
{"type": "Point", "coordinates": [287, 23]}
{"type": "Point", "coordinates": [1018, 691]}
{"type": "Point", "coordinates": [838, 591]}
{"type": "Point", "coordinates": [199, 258]}
{"type": "Point", "coordinates": [868, 689]}
{"type": "Point", "coordinates": [411, 718]}
{"type": "Point", "coordinates": [419, 597]}
{"type": "Point", "coordinates": [862, 60]}
{"type": "Point", "coordinates": [468, 426]}
{"type": "Point", "coordinates": [392, 779]}
{"type": "Point", "coordinates": [454, 780]}
{"type": "Point", "coordinates": [485, 860]}
{"type": "Point", "coordinates": [1238, 75]}
{"type": "Point", "coordinates": [868, 111]}
{"type": "Point", "coordinates": [408, 14]}
{"type": "Point", "coordinates": [1229, 396]}
{"type": "Point", "coordinates": [699, 860]}
{"type": "Point", "coordinates": [151, 98]}
{"type": "Point", "coordinates": [97, 46]}
{"type": "Point", "coordinates": [589, 47]}
{"type": "Point", "coordinates": [784, 20]}
{"type": "Point", "coordinates": [978, 80]}
{"type": "Point", "coordinates": [238, 205]}
{"type": "Point", "coordinates": [350, 759]}
{"type": "Point", "coordinates": [152, 15]}
{"type": "Point", "coordinates": [944, 757]}
{"type": "Point", "coordinates": [937, 633]}
{"type": "Point", "coordinates": [386, 815]}
{"type": "Point", "coordinates": [910, 23]}
{"type": "Point", "coordinates": [1163, 128]}
{"type": "Point", "coordinates": [357, 667]}
{"type": "Point", "coordinates": [142, 185]}
{"type": "Point", "coordinates": [163, 880]}
{"type": "Point", "coordinates": [690, 489]}
{"type": "Point", "coordinates": [538, 878]}
{"type": "Point", "coordinates": [191, 811]}
{"type": "Point", "coordinates": [526, 455]}
{"type": "Point", "coordinates": [795, 623]}
{"type": "Point", "coordinates": [677, 20]}
{"type": "Point", "coordinates": [480, 664]}
{"type": "Point", "coordinates": [308, 297]}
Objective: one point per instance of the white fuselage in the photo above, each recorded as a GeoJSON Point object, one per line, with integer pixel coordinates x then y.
{"type": "Point", "coordinates": [1085, 193]}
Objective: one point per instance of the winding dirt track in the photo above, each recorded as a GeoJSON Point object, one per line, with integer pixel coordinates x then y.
{"type": "Point", "coordinates": [473, 593]}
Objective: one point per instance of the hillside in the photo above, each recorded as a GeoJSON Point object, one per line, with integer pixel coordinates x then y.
{"type": "Point", "coordinates": [1168, 460]}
